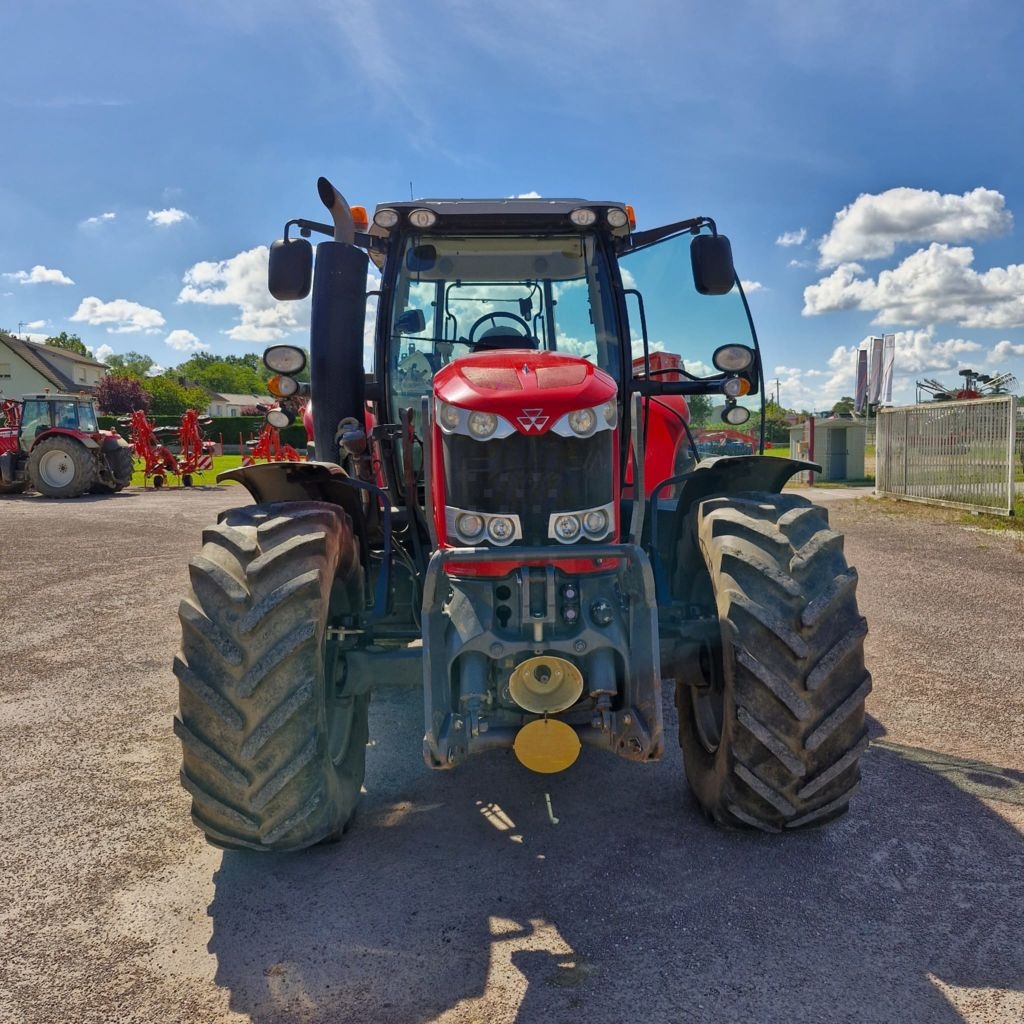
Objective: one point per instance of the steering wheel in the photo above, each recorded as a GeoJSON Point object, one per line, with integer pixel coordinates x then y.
{"type": "Point", "coordinates": [493, 318]}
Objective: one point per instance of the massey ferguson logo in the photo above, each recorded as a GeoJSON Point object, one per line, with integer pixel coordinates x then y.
{"type": "Point", "coordinates": [533, 419]}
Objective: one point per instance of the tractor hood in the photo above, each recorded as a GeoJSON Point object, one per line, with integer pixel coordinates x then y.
{"type": "Point", "coordinates": [531, 390]}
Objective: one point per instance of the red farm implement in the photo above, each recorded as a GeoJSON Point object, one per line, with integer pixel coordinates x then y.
{"type": "Point", "coordinates": [267, 447]}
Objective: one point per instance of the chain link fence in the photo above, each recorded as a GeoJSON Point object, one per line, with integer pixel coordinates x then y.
{"type": "Point", "coordinates": [964, 454]}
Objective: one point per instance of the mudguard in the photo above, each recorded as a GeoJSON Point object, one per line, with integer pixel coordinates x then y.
{"type": "Point", "coordinates": [723, 474]}
{"type": "Point", "coordinates": [302, 481]}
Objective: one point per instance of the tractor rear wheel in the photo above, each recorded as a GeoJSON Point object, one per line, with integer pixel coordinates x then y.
{"type": "Point", "coordinates": [771, 717]}
{"type": "Point", "coordinates": [274, 749]}
{"type": "Point", "coordinates": [61, 467]}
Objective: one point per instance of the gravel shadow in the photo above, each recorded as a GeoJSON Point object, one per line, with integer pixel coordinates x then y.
{"type": "Point", "coordinates": [454, 896]}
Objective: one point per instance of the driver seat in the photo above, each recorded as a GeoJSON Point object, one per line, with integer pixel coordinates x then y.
{"type": "Point", "coordinates": [495, 338]}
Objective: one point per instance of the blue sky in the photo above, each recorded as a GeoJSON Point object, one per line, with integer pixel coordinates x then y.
{"type": "Point", "coordinates": [865, 158]}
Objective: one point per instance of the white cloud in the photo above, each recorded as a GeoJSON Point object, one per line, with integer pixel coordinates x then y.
{"type": "Point", "coordinates": [165, 218]}
{"type": "Point", "coordinates": [752, 286]}
{"type": "Point", "coordinates": [932, 285]}
{"type": "Point", "coordinates": [125, 316]}
{"type": "Point", "coordinates": [873, 225]}
{"type": "Point", "coordinates": [35, 325]}
{"type": "Point", "coordinates": [102, 354]}
{"type": "Point", "coordinates": [155, 370]}
{"type": "Point", "coordinates": [800, 264]}
{"type": "Point", "coordinates": [1004, 350]}
{"type": "Point", "coordinates": [102, 218]}
{"type": "Point", "coordinates": [788, 238]}
{"type": "Point", "coordinates": [40, 275]}
{"type": "Point", "coordinates": [528, 195]}
{"type": "Point", "coordinates": [242, 281]}
{"type": "Point", "coordinates": [184, 341]}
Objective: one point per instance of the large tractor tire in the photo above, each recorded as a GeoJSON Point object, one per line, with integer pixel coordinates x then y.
{"type": "Point", "coordinates": [122, 466]}
{"type": "Point", "coordinates": [771, 718]}
{"type": "Point", "coordinates": [274, 749]}
{"type": "Point", "coordinates": [61, 467]}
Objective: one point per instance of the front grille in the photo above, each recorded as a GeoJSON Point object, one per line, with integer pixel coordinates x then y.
{"type": "Point", "coordinates": [530, 476]}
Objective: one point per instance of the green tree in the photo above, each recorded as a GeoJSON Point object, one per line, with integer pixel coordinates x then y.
{"type": "Point", "coordinates": [72, 342]}
{"type": "Point", "coordinates": [232, 374]}
{"type": "Point", "coordinates": [844, 406]}
{"type": "Point", "coordinates": [700, 409]}
{"type": "Point", "coordinates": [171, 399]}
{"type": "Point", "coordinates": [131, 364]}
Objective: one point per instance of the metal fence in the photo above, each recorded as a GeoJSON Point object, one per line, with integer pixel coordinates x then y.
{"type": "Point", "coordinates": [964, 454]}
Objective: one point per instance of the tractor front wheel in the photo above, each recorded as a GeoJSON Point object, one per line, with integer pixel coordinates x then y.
{"type": "Point", "coordinates": [61, 467]}
{"type": "Point", "coordinates": [771, 711]}
{"type": "Point", "coordinates": [122, 466]}
{"type": "Point", "coordinates": [274, 747]}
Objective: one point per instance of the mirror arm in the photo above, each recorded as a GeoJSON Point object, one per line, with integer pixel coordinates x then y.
{"type": "Point", "coordinates": [362, 239]}
{"type": "Point", "coordinates": [640, 239]}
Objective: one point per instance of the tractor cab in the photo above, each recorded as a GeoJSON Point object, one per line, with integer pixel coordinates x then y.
{"type": "Point", "coordinates": [44, 412]}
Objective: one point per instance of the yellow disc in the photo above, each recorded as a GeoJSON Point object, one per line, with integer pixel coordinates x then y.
{"type": "Point", "coordinates": [547, 745]}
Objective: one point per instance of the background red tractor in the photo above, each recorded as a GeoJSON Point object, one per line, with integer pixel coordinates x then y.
{"type": "Point", "coordinates": [53, 444]}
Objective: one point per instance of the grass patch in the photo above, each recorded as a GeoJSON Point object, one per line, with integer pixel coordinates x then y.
{"type": "Point", "coordinates": [204, 479]}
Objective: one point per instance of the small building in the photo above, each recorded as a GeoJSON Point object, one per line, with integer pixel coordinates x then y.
{"type": "Point", "coordinates": [838, 447]}
{"type": "Point", "coordinates": [233, 405]}
{"type": "Point", "coordinates": [27, 367]}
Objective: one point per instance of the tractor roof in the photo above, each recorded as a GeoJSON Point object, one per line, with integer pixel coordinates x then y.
{"type": "Point", "coordinates": [505, 214]}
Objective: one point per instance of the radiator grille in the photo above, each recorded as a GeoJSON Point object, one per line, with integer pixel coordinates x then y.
{"type": "Point", "coordinates": [530, 476]}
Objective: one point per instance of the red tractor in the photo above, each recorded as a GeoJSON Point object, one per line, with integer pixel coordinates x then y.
{"type": "Point", "coordinates": [53, 444]}
{"type": "Point", "coordinates": [498, 517]}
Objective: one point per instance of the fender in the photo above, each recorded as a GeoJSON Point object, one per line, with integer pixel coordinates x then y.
{"type": "Point", "coordinates": [83, 439]}
{"type": "Point", "coordinates": [722, 474]}
{"type": "Point", "coordinates": [303, 481]}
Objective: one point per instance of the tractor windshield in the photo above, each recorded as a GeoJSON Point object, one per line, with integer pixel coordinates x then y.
{"type": "Point", "coordinates": [456, 295]}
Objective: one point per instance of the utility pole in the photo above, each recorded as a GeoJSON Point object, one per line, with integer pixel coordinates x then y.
{"type": "Point", "coordinates": [777, 402]}
{"type": "Point", "coordinates": [21, 324]}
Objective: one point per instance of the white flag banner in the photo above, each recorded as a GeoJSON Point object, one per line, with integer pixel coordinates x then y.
{"type": "Point", "coordinates": [888, 361]}
{"type": "Point", "coordinates": [874, 370]}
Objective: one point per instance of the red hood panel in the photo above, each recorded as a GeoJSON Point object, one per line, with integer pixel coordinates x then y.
{"type": "Point", "coordinates": [514, 382]}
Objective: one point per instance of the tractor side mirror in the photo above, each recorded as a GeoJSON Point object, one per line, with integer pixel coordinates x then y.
{"type": "Point", "coordinates": [421, 257]}
{"type": "Point", "coordinates": [290, 271]}
{"type": "Point", "coordinates": [412, 321]}
{"type": "Point", "coordinates": [711, 257]}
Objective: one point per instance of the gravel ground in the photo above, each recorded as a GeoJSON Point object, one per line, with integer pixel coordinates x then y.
{"type": "Point", "coordinates": [454, 898]}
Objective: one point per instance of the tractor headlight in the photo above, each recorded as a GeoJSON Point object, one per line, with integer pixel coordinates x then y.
{"type": "Point", "coordinates": [482, 424]}
{"type": "Point", "coordinates": [617, 217]}
{"type": "Point", "coordinates": [501, 529]}
{"type": "Point", "coordinates": [590, 523]}
{"type": "Point", "coordinates": [422, 218]}
{"type": "Point", "coordinates": [582, 422]}
{"type": "Point", "coordinates": [733, 358]}
{"type": "Point", "coordinates": [469, 526]}
{"type": "Point", "coordinates": [279, 419]}
{"type": "Point", "coordinates": [587, 422]}
{"type": "Point", "coordinates": [734, 415]}
{"type": "Point", "coordinates": [595, 522]}
{"type": "Point", "coordinates": [583, 217]}
{"type": "Point", "coordinates": [447, 416]}
{"type": "Point", "coordinates": [286, 359]}
{"type": "Point", "coordinates": [567, 528]}
{"type": "Point", "coordinates": [386, 218]}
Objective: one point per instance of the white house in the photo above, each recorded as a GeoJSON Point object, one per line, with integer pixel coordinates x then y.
{"type": "Point", "coordinates": [232, 405]}
{"type": "Point", "coordinates": [27, 367]}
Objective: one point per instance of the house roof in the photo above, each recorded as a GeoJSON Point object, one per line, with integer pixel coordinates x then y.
{"type": "Point", "coordinates": [27, 352]}
{"type": "Point", "coordinates": [232, 399]}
